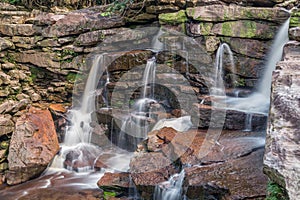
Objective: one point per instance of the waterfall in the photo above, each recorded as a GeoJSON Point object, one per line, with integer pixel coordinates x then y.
{"type": "Point", "coordinates": [248, 122]}
{"type": "Point", "coordinates": [135, 127]}
{"type": "Point", "coordinates": [105, 91]}
{"type": "Point", "coordinates": [149, 76]}
{"type": "Point", "coordinates": [274, 56]}
{"type": "Point", "coordinates": [76, 151]}
{"type": "Point", "coordinates": [218, 79]}
{"type": "Point", "coordinates": [156, 45]}
{"type": "Point", "coordinates": [259, 101]}
{"type": "Point", "coordinates": [80, 130]}
{"type": "Point", "coordinates": [171, 189]}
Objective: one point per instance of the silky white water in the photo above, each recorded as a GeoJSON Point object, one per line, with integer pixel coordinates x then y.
{"type": "Point", "coordinates": [171, 189]}
{"type": "Point", "coordinates": [219, 69]}
{"type": "Point", "coordinates": [259, 101]}
{"type": "Point", "coordinates": [136, 126]}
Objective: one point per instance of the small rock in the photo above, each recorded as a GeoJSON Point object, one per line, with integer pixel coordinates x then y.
{"type": "Point", "coordinates": [5, 44]}
{"type": "Point", "coordinates": [35, 97]}
{"type": "Point", "coordinates": [117, 182]}
{"type": "Point", "coordinates": [6, 125]}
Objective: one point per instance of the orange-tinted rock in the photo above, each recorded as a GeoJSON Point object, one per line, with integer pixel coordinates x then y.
{"type": "Point", "coordinates": [58, 108]}
{"type": "Point", "coordinates": [33, 145]}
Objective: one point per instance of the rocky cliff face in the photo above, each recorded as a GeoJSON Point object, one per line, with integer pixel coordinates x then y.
{"type": "Point", "coordinates": [282, 145]}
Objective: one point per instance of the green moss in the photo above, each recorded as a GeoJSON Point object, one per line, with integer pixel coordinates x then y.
{"type": "Point", "coordinates": [248, 30]}
{"type": "Point", "coordinates": [295, 22]}
{"type": "Point", "coordinates": [173, 18]}
{"type": "Point", "coordinates": [296, 13]}
{"type": "Point", "coordinates": [275, 192]}
{"type": "Point", "coordinates": [107, 194]}
{"type": "Point", "coordinates": [67, 55]}
{"type": "Point", "coordinates": [34, 72]}
{"type": "Point", "coordinates": [9, 58]}
{"type": "Point", "coordinates": [227, 29]}
{"type": "Point", "coordinates": [205, 28]}
{"type": "Point", "coordinates": [71, 77]}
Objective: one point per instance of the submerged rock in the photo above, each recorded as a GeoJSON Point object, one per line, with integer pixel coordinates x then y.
{"type": "Point", "coordinates": [33, 145]}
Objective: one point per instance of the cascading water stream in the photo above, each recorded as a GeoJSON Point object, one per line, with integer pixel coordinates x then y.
{"type": "Point", "coordinates": [80, 130]}
{"type": "Point", "coordinates": [248, 122]}
{"type": "Point", "coordinates": [259, 101]}
{"type": "Point", "coordinates": [219, 68]}
{"type": "Point", "coordinates": [171, 189]}
{"type": "Point", "coordinates": [136, 124]}
{"type": "Point", "coordinates": [78, 135]}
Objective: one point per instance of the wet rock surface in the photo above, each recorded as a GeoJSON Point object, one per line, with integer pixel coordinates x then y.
{"type": "Point", "coordinates": [239, 178]}
{"type": "Point", "coordinates": [222, 173]}
{"type": "Point", "coordinates": [149, 169]}
{"type": "Point", "coordinates": [33, 145]}
{"type": "Point", "coordinates": [116, 182]}
{"type": "Point", "coordinates": [282, 141]}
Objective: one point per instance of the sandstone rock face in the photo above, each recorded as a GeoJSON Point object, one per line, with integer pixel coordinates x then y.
{"type": "Point", "coordinates": [33, 145]}
{"type": "Point", "coordinates": [75, 23]}
{"type": "Point", "coordinates": [282, 159]}
{"type": "Point", "coordinates": [217, 13]}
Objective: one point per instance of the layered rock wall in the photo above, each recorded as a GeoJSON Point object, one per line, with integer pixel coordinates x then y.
{"type": "Point", "coordinates": [282, 157]}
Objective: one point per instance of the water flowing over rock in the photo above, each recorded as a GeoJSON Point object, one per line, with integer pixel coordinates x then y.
{"type": "Point", "coordinates": [149, 169]}
{"type": "Point", "coordinates": [33, 145]}
{"type": "Point", "coordinates": [282, 157]}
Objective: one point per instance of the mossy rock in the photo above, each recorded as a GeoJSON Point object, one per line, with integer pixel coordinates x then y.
{"type": "Point", "coordinates": [245, 29]}
{"type": "Point", "coordinates": [173, 18]}
{"type": "Point", "coordinates": [295, 22]}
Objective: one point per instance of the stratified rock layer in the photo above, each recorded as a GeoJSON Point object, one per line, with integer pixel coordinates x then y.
{"type": "Point", "coordinates": [33, 145]}
{"type": "Point", "coordinates": [282, 158]}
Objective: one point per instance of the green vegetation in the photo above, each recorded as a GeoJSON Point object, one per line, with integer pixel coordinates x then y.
{"type": "Point", "coordinates": [173, 18]}
{"type": "Point", "coordinates": [67, 55]}
{"type": "Point", "coordinates": [117, 6]}
{"type": "Point", "coordinates": [34, 72]}
{"type": "Point", "coordinates": [227, 29]}
{"type": "Point", "coordinates": [71, 77]}
{"type": "Point", "coordinates": [15, 2]}
{"type": "Point", "coordinates": [275, 192]}
{"type": "Point", "coordinates": [107, 194]}
{"type": "Point", "coordinates": [241, 82]}
{"type": "Point", "coordinates": [9, 58]}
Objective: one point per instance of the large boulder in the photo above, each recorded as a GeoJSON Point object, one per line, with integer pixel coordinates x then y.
{"type": "Point", "coordinates": [240, 178]}
{"type": "Point", "coordinates": [282, 158]}
{"type": "Point", "coordinates": [33, 145]}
